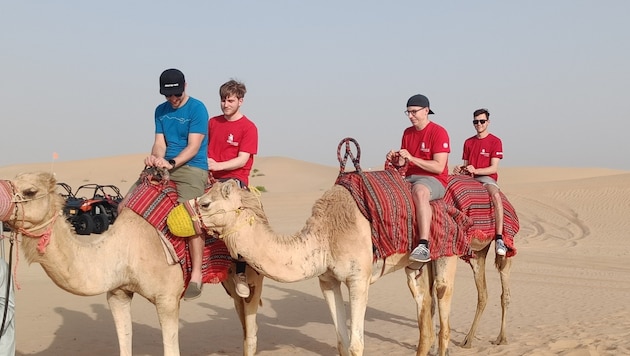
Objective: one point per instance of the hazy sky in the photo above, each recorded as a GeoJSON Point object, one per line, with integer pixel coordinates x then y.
{"type": "Point", "coordinates": [80, 78]}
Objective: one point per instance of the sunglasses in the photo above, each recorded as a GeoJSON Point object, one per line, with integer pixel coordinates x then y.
{"type": "Point", "coordinates": [475, 122]}
{"type": "Point", "coordinates": [175, 95]}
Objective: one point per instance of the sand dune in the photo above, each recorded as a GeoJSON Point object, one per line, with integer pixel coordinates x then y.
{"type": "Point", "coordinates": [569, 284]}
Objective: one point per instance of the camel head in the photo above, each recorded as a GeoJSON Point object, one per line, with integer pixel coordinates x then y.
{"type": "Point", "coordinates": [225, 205]}
{"type": "Point", "coordinates": [30, 201]}
{"type": "Point", "coordinates": [220, 206]}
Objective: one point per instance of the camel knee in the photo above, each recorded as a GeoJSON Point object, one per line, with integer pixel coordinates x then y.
{"type": "Point", "coordinates": [441, 289]}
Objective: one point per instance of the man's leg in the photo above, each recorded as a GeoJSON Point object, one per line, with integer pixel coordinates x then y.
{"type": "Point", "coordinates": [240, 279]}
{"type": "Point", "coordinates": [190, 183]}
{"type": "Point", "coordinates": [421, 197]}
{"type": "Point", "coordinates": [493, 190]}
{"type": "Point", "coordinates": [195, 244]}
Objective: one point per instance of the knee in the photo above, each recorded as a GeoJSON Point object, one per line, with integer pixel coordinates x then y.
{"type": "Point", "coordinates": [496, 198]}
{"type": "Point", "coordinates": [421, 194]}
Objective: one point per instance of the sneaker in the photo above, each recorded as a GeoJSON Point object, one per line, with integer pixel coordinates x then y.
{"type": "Point", "coordinates": [241, 286]}
{"type": "Point", "coordinates": [193, 291]}
{"type": "Point", "coordinates": [420, 254]}
{"type": "Point", "coordinates": [499, 247]}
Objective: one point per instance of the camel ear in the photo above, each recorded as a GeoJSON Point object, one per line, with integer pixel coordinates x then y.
{"type": "Point", "coordinates": [52, 181]}
{"type": "Point", "coordinates": [226, 189]}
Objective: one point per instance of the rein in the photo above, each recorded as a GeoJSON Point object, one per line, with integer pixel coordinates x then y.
{"type": "Point", "coordinates": [20, 199]}
{"type": "Point", "coordinates": [45, 236]}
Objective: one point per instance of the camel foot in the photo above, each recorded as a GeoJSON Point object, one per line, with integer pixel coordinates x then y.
{"type": "Point", "coordinates": [501, 340]}
{"type": "Point", "coordinates": [466, 344]}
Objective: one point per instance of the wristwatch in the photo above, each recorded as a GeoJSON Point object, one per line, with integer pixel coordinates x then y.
{"type": "Point", "coordinates": [172, 162]}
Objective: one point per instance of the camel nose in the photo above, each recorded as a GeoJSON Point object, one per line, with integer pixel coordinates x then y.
{"type": "Point", "coordinates": [6, 193]}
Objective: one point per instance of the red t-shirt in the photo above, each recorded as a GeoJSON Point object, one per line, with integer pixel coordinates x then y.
{"type": "Point", "coordinates": [226, 139]}
{"type": "Point", "coordinates": [480, 151]}
{"type": "Point", "coordinates": [424, 144]}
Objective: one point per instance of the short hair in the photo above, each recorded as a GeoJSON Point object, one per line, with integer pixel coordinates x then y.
{"type": "Point", "coordinates": [482, 111]}
{"type": "Point", "coordinates": [232, 87]}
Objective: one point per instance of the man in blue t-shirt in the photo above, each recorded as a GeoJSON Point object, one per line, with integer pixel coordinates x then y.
{"type": "Point", "coordinates": [181, 138]}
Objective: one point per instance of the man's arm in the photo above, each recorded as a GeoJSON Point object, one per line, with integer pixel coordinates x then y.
{"type": "Point", "coordinates": [156, 159]}
{"type": "Point", "coordinates": [486, 171]}
{"type": "Point", "coordinates": [229, 165]}
{"type": "Point", "coordinates": [194, 144]}
{"type": "Point", "coordinates": [435, 165]}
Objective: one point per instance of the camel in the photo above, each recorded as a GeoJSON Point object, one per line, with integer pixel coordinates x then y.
{"type": "Point", "coordinates": [335, 246]}
{"type": "Point", "coordinates": [126, 259]}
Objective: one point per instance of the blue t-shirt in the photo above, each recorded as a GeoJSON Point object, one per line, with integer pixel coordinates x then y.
{"type": "Point", "coordinates": [176, 124]}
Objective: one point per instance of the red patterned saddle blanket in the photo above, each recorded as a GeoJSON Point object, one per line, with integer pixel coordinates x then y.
{"type": "Point", "coordinates": [153, 200]}
{"type": "Point", "coordinates": [471, 197]}
{"type": "Point", "coordinates": [384, 198]}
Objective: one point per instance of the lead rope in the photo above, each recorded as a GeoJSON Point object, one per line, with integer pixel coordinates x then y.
{"type": "Point", "coordinates": [6, 294]}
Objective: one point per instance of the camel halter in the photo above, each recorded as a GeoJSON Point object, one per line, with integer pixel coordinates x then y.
{"type": "Point", "coordinates": [18, 199]}
{"type": "Point", "coordinates": [208, 229]}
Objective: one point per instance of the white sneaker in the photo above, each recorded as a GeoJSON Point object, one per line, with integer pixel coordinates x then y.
{"type": "Point", "coordinates": [420, 254]}
{"type": "Point", "coordinates": [499, 247]}
{"type": "Point", "coordinates": [241, 286]}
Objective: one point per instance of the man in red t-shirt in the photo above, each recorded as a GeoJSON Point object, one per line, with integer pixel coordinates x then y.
{"type": "Point", "coordinates": [481, 156]}
{"type": "Point", "coordinates": [232, 144]}
{"type": "Point", "coordinates": [426, 146]}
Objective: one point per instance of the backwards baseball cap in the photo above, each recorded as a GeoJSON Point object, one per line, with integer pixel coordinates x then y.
{"type": "Point", "coordinates": [419, 100]}
{"type": "Point", "coordinates": [172, 82]}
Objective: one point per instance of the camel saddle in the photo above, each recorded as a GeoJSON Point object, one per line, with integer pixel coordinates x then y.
{"type": "Point", "coordinates": [153, 198]}
{"type": "Point", "coordinates": [384, 198]}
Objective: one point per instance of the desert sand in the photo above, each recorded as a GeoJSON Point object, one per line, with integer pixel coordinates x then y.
{"type": "Point", "coordinates": [570, 281]}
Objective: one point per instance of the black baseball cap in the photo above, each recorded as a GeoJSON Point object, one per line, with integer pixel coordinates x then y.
{"type": "Point", "coordinates": [419, 100]}
{"type": "Point", "coordinates": [172, 82]}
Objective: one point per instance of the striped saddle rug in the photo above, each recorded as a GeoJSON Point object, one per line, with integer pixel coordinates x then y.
{"type": "Point", "coordinates": [469, 196]}
{"type": "Point", "coordinates": [153, 200]}
{"type": "Point", "coordinates": [384, 198]}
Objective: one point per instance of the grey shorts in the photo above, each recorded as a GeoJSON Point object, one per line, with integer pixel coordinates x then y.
{"type": "Point", "coordinates": [486, 180]}
{"type": "Point", "coordinates": [435, 186]}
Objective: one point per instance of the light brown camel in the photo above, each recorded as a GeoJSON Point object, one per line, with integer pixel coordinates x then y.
{"type": "Point", "coordinates": [126, 259]}
{"type": "Point", "coordinates": [335, 246]}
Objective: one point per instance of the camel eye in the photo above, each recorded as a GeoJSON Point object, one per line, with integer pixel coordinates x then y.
{"type": "Point", "coordinates": [204, 205]}
{"type": "Point", "coordinates": [29, 193]}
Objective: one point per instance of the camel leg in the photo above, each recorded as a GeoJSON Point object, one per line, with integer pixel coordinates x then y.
{"type": "Point", "coordinates": [120, 304]}
{"type": "Point", "coordinates": [358, 296]}
{"type": "Point", "coordinates": [167, 307]}
{"type": "Point", "coordinates": [419, 283]}
{"type": "Point", "coordinates": [478, 265]}
{"type": "Point", "coordinates": [504, 266]}
{"type": "Point", "coordinates": [331, 289]}
{"type": "Point", "coordinates": [444, 285]}
{"type": "Point", "coordinates": [247, 308]}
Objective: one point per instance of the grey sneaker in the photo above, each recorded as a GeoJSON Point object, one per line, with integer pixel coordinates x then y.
{"type": "Point", "coordinates": [420, 254]}
{"type": "Point", "coordinates": [193, 291]}
{"type": "Point", "coordinates": [499, 247]}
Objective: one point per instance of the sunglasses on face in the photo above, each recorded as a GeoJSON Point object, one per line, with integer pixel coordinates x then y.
{"type": "Point", "coordinates": [175, 95]}
{"type": "Point", "coordinates": [475, 122]}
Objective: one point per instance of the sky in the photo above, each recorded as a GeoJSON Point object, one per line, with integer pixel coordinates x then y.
{"type": "Point", "coordinates": [80, 78]}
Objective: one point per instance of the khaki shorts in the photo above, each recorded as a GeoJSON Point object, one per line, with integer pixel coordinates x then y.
{"type": "Point", "coordinates": [190, 182]}
{"type": "Point", "coordinates": [436, 188]}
